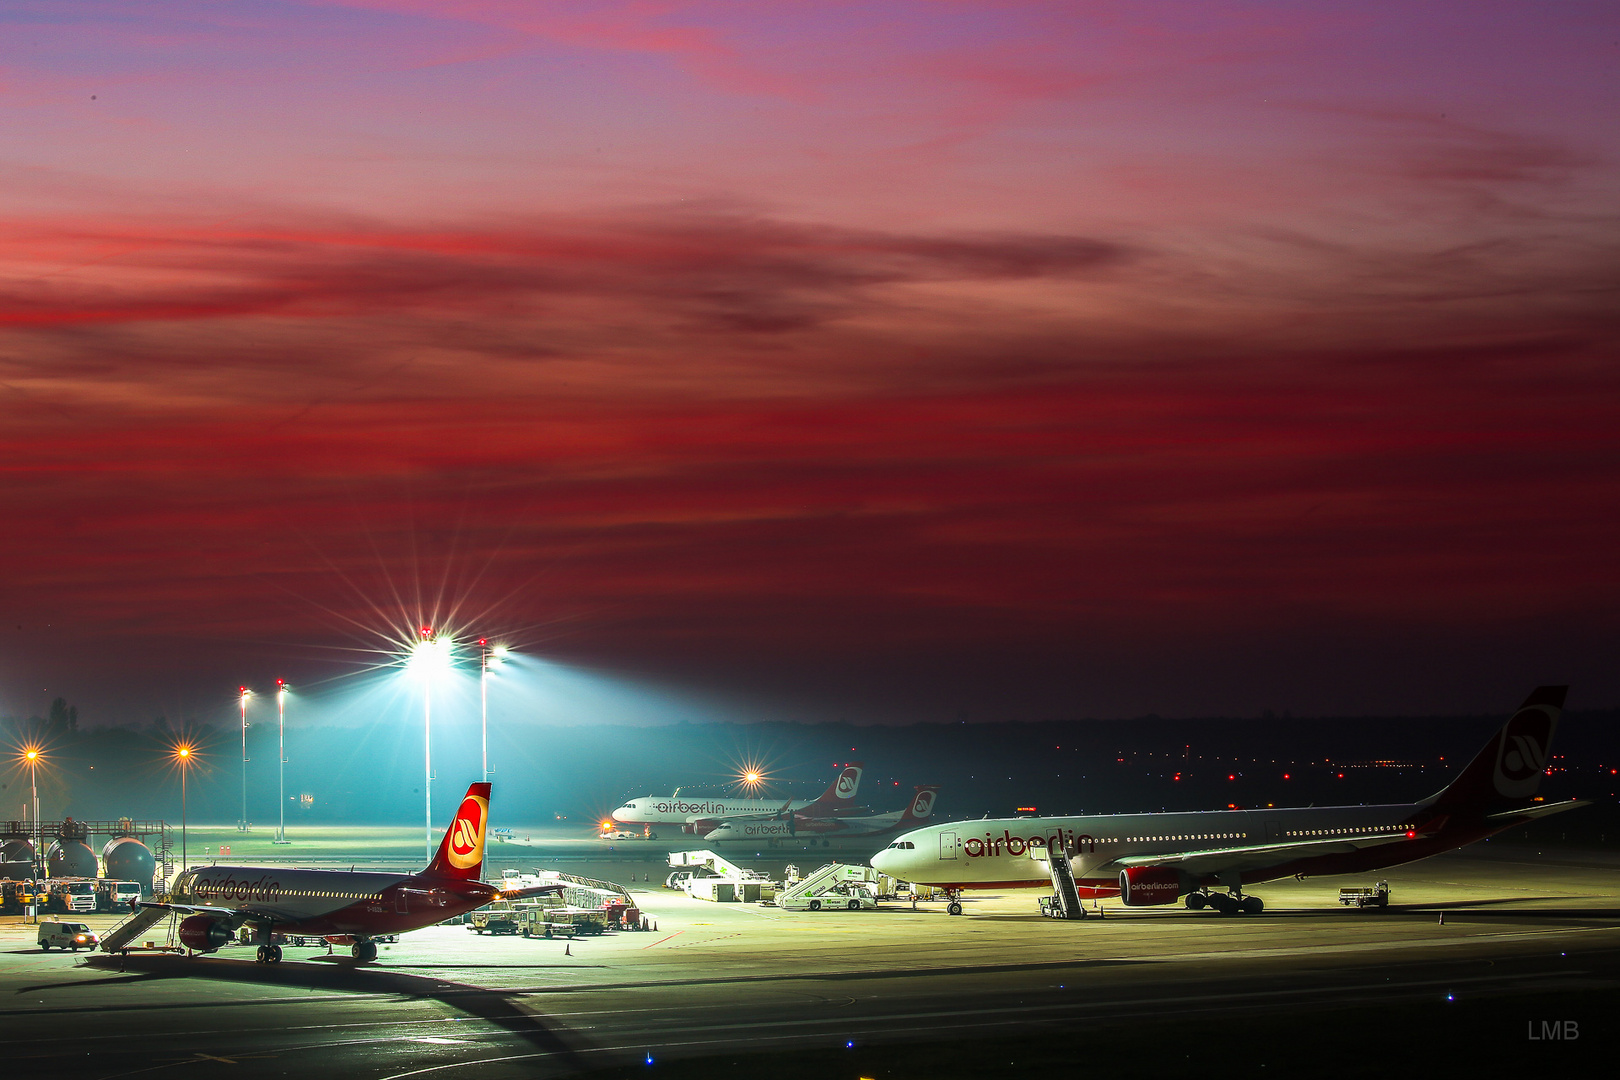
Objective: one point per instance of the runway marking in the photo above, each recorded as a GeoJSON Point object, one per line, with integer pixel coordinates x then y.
{"type": "Point", "coordinates": [661, 940]}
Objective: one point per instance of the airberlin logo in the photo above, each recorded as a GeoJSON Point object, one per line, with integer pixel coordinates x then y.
{"type": "Point", "coordinates": [467, 834]}
{"type": "Point", "coordinates": [1522, 753]}
{"type": "Point", "coordinates": [1008, 844]}
{"type": "Point", "coordinates": [923, 803]}
{"type": "Point", "coordinates": [229, 888]}
{"type": "Point", "coordinates": [848, 780]}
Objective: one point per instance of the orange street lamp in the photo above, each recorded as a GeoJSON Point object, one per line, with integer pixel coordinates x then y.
{"type": "Point", "coordinates": [32, 755]}
{"type": "Point", "coordinates": [183, 756]}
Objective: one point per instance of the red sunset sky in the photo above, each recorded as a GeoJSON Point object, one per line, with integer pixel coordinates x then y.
{"type": "Point", "coordinates": [890, 361]}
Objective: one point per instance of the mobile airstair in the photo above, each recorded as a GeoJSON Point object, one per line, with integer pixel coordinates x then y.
{"type": "Point", "coordinates": [835, 887]}
{"type": "Point", "coordinates": [721, 879]}
{"type": "Point", "coordinates": [120, 936]}
{"type": "Point", "coordinates": [1064, 903]}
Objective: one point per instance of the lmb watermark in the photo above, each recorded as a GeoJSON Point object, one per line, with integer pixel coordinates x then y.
{"type": "Point", "coordinates": [1552, 1030]}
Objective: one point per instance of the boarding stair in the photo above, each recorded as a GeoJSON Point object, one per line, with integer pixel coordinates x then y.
{"type": "Point", "coordinates": [1065, 900]}
{"type": "Point", "coordinates": [717, 864]}
{"type": "Point", "coordinates": [836, 885]}
{"type": "Point", "coordinates": [120, 936]}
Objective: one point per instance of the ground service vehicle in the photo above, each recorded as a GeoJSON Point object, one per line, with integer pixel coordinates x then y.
{"type": "Point", "coordinates": [78, 894]}
{"type": "Point", "coordinates": [493, 921]}
{"type": "Point", "coordinates": [1365, 895]}
{"type": "Point", "coordinates": [72, 936]}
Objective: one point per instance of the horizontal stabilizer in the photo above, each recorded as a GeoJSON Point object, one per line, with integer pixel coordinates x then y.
{"type": "Point", "coordinates": [524, 894]}
{"type": "Point", "coordinates": [1540, 810]}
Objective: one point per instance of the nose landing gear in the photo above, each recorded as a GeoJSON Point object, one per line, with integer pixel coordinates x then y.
{"type": "Point", "coordinates": [268, 954]}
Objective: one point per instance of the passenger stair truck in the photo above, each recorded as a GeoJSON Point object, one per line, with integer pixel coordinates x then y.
{"type": "Point", "coordinates": [730, 883]}
{"type": "Point", "coordinates": [121, 936]}
{"type": "Point", "coordinates": [1064, 903]}
{"type": "Point", "coordinates": [836, 886]}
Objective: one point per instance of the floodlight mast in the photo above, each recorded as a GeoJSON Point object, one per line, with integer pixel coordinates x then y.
{"type": "Point", "coordinates": [242, 822]}
{"type": "Point", "coordinates": [32, 754]}
{"type": "Point", "coordinates": [182, 754]}
{"type": "Point", "coordinates": [281, 762]}
{"type": "Point", "coordinates": [483, 702]}
{"type": "Point", "coordinates": [429, 652]}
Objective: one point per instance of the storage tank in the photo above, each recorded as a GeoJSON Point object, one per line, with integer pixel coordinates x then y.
{"type": "Point", "coordinates": [127, 859]}
{"type": "Point", "coordinates": [16, 859]}
{"type": "Point", "coordinates": [70, 858]}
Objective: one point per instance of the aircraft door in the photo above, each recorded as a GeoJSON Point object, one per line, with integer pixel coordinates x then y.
{"type": "Point", "coordinates": [1274, 830]}
{"type": "Point", "coordinates": [400, 905]}
{"type": "Point", "coordinates": [947, 845]}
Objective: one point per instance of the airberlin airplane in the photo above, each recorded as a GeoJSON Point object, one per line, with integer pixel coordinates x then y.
{"type": "Point", "coordinates": [802, 826]}
{"type": "Point", "coordinates": [342, 906]}
{"type": "Point", "coordinates": [700, 816]}
{"type": "Point", "coordinates": [1159, 858]}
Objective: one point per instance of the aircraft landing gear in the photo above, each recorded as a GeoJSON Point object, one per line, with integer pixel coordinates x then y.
{"type": "Point", "coordinates": [953, 908]}
{"type": "Point", "coordinates": [364, 951]}
{"type": "Point", "coordinates": [1234, 903]}
{"type": "Point", "coordinates": [268, 954]}
{"type": "Point", "coordinates": [1197, 901]}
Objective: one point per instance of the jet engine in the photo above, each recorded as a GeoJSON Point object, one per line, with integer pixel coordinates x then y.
{"type": "Point", "coordinates": [1141, 886]}
{"type": "Point", "coordinates": [203, 933]}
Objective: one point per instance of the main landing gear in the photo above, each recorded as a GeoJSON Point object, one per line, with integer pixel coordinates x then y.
{"type": "Point", "coordinates": [1231, 902]}
{"type": "Point", "coordinates": [268, 954]}
{"type": "Point", "coordinates": [364, 951]}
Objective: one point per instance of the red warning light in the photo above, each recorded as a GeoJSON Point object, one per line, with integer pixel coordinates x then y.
{"type": "Point", "coordinates": [1341, 776]}
{"type": "Point", "coordinates": [1287, 776]}
{"type": "Point", "coordinates": [1178, 776]}
{"type": "Point", "coordinates": [1411, 834]}
{"type": "Point", "coordinates": [483, 641]}
{"type": "Point", "coordinates": [1231, 776]}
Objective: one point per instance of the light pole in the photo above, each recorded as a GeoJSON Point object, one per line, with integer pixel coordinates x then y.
{"type": "Point", "coordinates": [281, 755]}
{"type": "Point", "coordinates": [182, 754]}
{"type": "Point", "coordinates": [242, 824]}
{"type": "Point", "coordinates": [430, 653]}
{"type": "Point", "coordinates": [32, 754]}
{"type": "Point", "coordinates": [483, 701]}
{"type": "Point", "coordinates": [490, 656]}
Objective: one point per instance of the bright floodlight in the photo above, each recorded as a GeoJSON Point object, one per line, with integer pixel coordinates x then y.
{"type": "Point", "coordinates": [751, 778]}
{"type": "Point", "coordinates": [182, 751]}
{"type": "Point", "coordinates": [32, 754]}
{"type": "Point", "coordinates": [431, 653]}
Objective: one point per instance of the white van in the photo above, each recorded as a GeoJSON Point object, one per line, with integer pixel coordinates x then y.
{"type": "Point", "coordinates": [66, 935]}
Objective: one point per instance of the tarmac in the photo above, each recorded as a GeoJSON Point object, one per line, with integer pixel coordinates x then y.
{"type": "Point", "coordinates": [1477, 950]}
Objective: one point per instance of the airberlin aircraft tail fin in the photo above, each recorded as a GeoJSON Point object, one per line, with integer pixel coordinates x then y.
{"type": "Point", "coordinates": [922, 805]}
{"type": "Point", "coordinates": [461, 852]}
{"type": "Point", "coordinates": [839, 795]}
{"type": "Point", "coordinates": [1507, 772]}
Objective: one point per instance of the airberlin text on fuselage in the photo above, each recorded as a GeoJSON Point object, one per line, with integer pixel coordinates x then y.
{"type": "Point", "coordinates": [1008, 844]}
{"type": "Point", "coordinates": [694, 808]}
{"type": "Point", "coordinates": [229, 888]}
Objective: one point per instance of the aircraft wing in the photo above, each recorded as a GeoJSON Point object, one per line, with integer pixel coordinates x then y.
{"type": "Point", "coordinates": [235, 916]}
{"type": "Point", "coordinates": [1255, 856]}
{"type": "Point", "coordinates": [524, 894]}
{"type": "Point", "coordinates": [1530, 813]}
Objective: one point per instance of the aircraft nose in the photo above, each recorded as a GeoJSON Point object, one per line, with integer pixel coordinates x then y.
{"type": "Point", "coordinates": [886, 861]}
